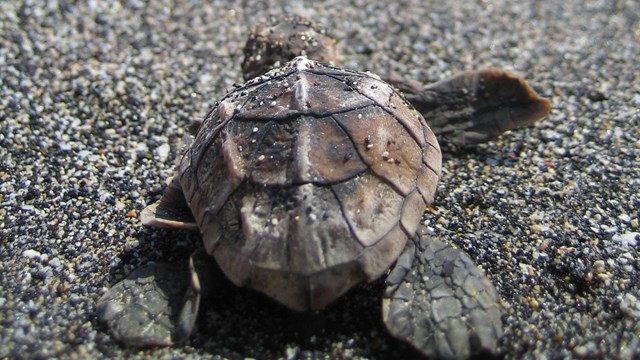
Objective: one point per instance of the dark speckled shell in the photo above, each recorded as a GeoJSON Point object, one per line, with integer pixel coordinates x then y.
{"type": "Point", "coordinates": [309, 180]}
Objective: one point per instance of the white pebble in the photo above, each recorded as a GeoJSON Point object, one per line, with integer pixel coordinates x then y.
{"type": "Point", "coordinates": [630, 306]}
{"type": "Point", "coordinates": [162, 152]}
{"type": "Point", "coordinates": [627, 240]}
{"type": "Point", "coordinates": [31, 254]}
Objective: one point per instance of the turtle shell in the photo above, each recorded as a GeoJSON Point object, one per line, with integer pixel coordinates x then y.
{"type": "Point", "coordinates": [308, 180]}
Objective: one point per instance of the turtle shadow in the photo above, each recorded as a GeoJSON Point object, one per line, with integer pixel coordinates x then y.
{"type": "Point", "coordinates": [237, 322]}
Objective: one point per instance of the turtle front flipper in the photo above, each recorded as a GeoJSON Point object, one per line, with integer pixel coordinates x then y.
{"type": "Point", "coordinates": [157, 304]}
{"type": "Point", "coordinates": [171, 211]}
{"type": "Point", "coordinates": [475, 106]}
{"type": "Point", "coordinates": [440, 302]}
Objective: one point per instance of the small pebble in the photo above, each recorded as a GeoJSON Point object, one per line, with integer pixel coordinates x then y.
{"type": "Point", "coordinates": [630, 306]}
{"type": "Point", "coordinates": [162, 152]}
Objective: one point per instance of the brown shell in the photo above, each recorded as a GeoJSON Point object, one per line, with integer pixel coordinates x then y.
{"type": "Point", "coordinates": [309, 180]}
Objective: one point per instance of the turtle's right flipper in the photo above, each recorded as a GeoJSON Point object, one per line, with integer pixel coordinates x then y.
{"type": "Point", "coordinates": [440, 302]}
{"type": "Point", "coordinates": [475, 106]}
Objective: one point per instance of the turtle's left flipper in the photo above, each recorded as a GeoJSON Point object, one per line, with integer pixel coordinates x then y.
{"type": "Point", "coordinates": [440, 302]}
{"type": "Point", "coordinates": [474, 106]}
{"type": "Point", "coordinates": [171, 211]}
{"type": "Point", "coordinates": [158, 303]}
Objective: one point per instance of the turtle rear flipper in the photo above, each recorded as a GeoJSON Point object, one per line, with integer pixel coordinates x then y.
{"type": "Point", "coordinates": [158, 303]}
{"type": "Point", "coordinates": [145, 308]}
{"type": "Point", "coordinates": [171, 211]}
{"type": "Point", "coordinates": [440, 302]}
{"type": "Point", "coordinates": [475, 106]}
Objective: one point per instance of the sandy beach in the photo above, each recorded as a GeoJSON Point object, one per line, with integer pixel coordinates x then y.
{"type": "Point", "coordinates": [96, 97]}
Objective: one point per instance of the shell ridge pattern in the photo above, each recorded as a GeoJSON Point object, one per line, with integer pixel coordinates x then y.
{"type": "Point", "coordinates": [337, 112]}
{"type": "Point", "coordinates": [208, 209]}
{"type": "Point", "coordinates": [405, 202]}
{"type": "Point", "coordinates": [429, 166]}
{"type": "Point", "coordinates": [424, 197]}
{"type": "Point", "coordinates": [323, 260]}
{"type": "Point", "coordinates": [214, 124]}
{"type": "Point", "coordinates": [187, 156]}
{"type": "Point", "coordinates": [391, 230]}
{"type": "Point", "coordinates": [213, 134]}
{"type": "Point", "coordinates": [382, 106]}
{"type": "Point", "coordinates": [344, 215]}
{"type": "Point", "coordinates": [322, 240]}
{"type": "Point", "coordinates": [267, 128]}
{"type": "Point", "coordinates": [262, 80]}
{"type": "Point", "coordinates": [387, 181]}
{"type": "Point", "coordinates": [326, 153]}
{"type": "Point", "coordinates": [373, 173]}
{"type": "Point", "coordinates": [359, 212]}
{"type": "Point", "coordinates": [337, 72]}
{"type": "Point", "coordinates": [203, 152]}
{"type": "Point", "coordinates": [288, 253]}
{"type": "Point", "coordinates": [348, 134]}
{"type": "Point", "coordinates": [303, 93]}
{"type": "Point", "coordinates": [310, 276]}
{"type": "Point", "coordinates": [319, 183]}
{"type": "Point", "coordinates": [400, 212]}
{"type": "Point", "coordinates": [250, 255]}
{"type": "Point", "coordinates": [290, 239]}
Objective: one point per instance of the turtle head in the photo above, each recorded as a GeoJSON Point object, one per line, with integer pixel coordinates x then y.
{"type": "Point", "coordinates": [269, 47]}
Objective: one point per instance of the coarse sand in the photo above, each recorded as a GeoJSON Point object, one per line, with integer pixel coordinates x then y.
{"type": "Point", "coordinates": [96, 96]}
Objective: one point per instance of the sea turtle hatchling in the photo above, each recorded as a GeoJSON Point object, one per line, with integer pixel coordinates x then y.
{"type": "Point", "coordinates": [309, 179]}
